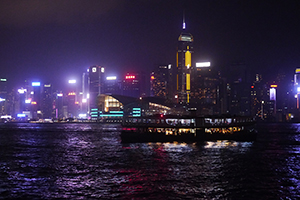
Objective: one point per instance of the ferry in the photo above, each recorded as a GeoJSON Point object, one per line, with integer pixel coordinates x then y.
{"type": "Point", "coordinates": [168, 128]}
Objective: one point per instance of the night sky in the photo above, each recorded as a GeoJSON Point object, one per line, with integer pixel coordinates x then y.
{"type": "Point", "coordinates": [56, 40]}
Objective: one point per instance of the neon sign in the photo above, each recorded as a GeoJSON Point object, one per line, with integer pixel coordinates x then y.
{"type": "Point", "coordinates": [36, 84]}
{"type": "Point", "coordinates": [111, 78]}
{"type": "Point", "coordinates": [203, 64]}
{"type": "Point", "coordinates": [130, 77]}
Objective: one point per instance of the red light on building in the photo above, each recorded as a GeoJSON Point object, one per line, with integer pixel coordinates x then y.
{"type": "Point", "coordinates": [252, 86]}
{"type": "Point", "coordinates": [273, 86]}
{"type": "Point", "coordinates": [130, 77]}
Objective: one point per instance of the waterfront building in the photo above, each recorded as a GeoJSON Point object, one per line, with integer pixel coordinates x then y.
{"type": "Point", "coordinates": [59, 106]}
{"type": "Point", "coordinates": [161, 82]}
{"type": "Point", "coordinates": [272, 101]}
{"type": "Point", "coordinates": [289, 101]}
{"type": "Point", "coordinates": [36, 100]}
{"type": "Point", "coordinates": [20, 104]}
{"type": "Point", "coordinates": [208, 90]}
{"type": "Point", "coordinates": [95, 82]}
{"type": "Point", "coordinates": [3, 97]}
{"type": "Point", "coordinates": [297, 86]}
{"type": "Point", "coordinates": [47, 101]}
{"type": "Point", "coordinates": [258, 97]}
{"type": "Point", "coordinates": [84, 95]}
{"type": "Point", "coordinates": [72, 105]}
{"type": "Point", "coordinates": [114, 107]}
{"type": "Point", "coordinates": [239, 90]}
{"type": "Point", "coordinates": [72, 102]}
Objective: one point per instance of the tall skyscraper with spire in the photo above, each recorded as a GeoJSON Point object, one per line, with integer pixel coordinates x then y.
{"type": "Point", "coordinates": [184, 65]}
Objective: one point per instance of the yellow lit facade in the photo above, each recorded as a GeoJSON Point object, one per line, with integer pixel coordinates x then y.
{"type": "Point", "coordinates": [188, 82]}
{"type": "Point", "coordinates": [188, 59]}
{"type": "Point", "coordinates": [184, 67]}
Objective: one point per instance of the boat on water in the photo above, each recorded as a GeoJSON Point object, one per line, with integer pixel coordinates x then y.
{"type": "Point", "coordinates": [168, 128]}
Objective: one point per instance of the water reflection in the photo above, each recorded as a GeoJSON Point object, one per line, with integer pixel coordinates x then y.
{"type": "Point", "coordinates": [146, 176]}
{"type": "Point", "coordinates": [183, 170]}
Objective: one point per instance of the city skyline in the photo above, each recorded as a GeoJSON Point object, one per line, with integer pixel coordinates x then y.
{"type": "Point", "coordinates": [54, 41]}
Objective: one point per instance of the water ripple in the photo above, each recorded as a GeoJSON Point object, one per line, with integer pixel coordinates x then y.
{"type": "Point", "coordinates": [88, 161]}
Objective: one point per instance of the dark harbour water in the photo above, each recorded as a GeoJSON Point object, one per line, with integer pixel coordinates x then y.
{"type": "Point", "coordinates": [88, 161]}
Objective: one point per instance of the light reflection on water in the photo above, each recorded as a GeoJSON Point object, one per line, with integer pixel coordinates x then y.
{"type": "Point", "coordinates": [86, 161]}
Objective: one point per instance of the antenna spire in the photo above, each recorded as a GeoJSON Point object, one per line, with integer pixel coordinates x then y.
{"type": "Point", "coordinates": [183, 23]}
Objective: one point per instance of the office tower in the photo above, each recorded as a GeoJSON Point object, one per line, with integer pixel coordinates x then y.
{"type": "Point", "coordinates": [112, 85]}
{"type": "Point", "coordinates": [258, 97]}
{"type": "Point", "coordinates": [272, 100]}
{"type": "Point", "coordinates": [208, 91]}
{"type": "Point", "coordinates": [20, 101]}
{"type": "Point", "coordinates": [36, 100]}
{"type": "Point", "coordinates": [47, 101]}
{"type": "Point", "coordinates": [133, 85]}
{"type": "Point", "coordinates": [161, 82]}
{"type": "Point", "coordinates": [240, 90]}
{"type": "Point", "coordinates": [184, 66]}
{"type": "Point", "coordinates": [72, 105]}
{"type": "Point", "coordinates": [72, 99]}
{"type": "Point", "coordinates": [59, 106]}
{"type": "Point", "coordinates": [3, 96]}
{"type": "Point", "coordinates": [297, 86]}
{"type": "Point", "coordinates": [96, 77]}
{"type": "Point", "coordinates": [84, 106]}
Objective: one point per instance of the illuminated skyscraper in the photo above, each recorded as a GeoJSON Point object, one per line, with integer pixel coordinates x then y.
{"type": "Point", "coordinates": [96, 77]}
{"type": "Point", "coordinates": [72, 105]}
{"type": "Point", "coordinates": [47, 101]}
{"type": "Point", "coordinates": [184, 66]}
{"type": "Point", "coordinates": [134, 85]}
{"type": "Point", "coordinates": [208, 91]}
{"type": "Point", "coordinates": [297, 86]}
{"type": "Point", "coordinates": [112, 85]}
{"type": "Point", "coordinates": [3, 96]}
{"type": "Point", "coordinates": [59, 105]}
{"type": "Point", "coordinates": [161, 82]}
{"type": "Point", "coordinates": [84, 93]}
{"type": "Point", "coordinates": [258, 96]}
{"type": "Point", "coordinates": [36, 100]}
